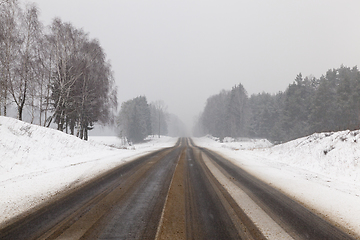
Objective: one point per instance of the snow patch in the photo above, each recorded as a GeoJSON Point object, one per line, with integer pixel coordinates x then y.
{"type": "Point", "coordinates": [334, 154]}
{"type": "Point", "coordinates": [241, 143]}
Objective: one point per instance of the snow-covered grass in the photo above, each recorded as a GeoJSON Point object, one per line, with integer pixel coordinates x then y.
{"type": "Point", "coordinates": [242, 143]}
{"type": "Point", "coordinates": [37, 163]}
{"type": "Point", "coordinates": [321, 171]}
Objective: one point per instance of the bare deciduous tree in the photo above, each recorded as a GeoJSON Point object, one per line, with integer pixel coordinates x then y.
{"type": "Point", "coordinates": [9, 12]}
{"type": "Point", "coordinates": [159, 116]}
{"type": "Point", "coordinates": [64, 39]}
{"type": "Point", "coordinates": [24, 78]}
{"type": "Point", "coordinates": [61, 76]}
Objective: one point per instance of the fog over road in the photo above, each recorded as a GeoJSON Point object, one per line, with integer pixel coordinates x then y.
{"type": "Point", "coordinates": [183, 192]}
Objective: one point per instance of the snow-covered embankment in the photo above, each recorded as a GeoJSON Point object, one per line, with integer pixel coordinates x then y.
{"type": "Point", "coordinates": [37, 163]}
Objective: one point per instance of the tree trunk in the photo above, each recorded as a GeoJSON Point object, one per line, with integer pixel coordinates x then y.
{"type": "Point", "coordinates": [20, 113]}
{"type": "Point", "coordinates": [86, 134]}
{"type": "Point", "coordinates": [81, 132]}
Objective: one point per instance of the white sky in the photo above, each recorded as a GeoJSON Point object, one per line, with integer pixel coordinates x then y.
{"type": "Point", "coordinates": [185, 51]}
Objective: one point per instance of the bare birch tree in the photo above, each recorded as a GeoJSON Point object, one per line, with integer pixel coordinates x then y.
{"type": "Point", "coordinates": [159, 117]}
{"type": "Point", "coordinates": [24, 79]}
{"type": "Point", "coordinates": [62, 76]}
{"type": "Point", "coordinates": [65, 41]}
{"type": "Point", "coordinates": [83, 89]}
{"type": "Point", "coordinates": [9, 11]}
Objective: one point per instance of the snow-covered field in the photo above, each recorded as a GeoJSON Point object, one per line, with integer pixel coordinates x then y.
{"type": "Point", "coordinates": [37, 163]}
{"type": "Point", "coordinates": [322, 171]}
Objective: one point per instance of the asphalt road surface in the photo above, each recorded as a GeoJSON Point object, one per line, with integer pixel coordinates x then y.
{"type": "Point", "coordinates": [174, 193]}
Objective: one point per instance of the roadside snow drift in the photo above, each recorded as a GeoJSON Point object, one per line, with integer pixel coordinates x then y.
{"type": "Point", "coordinates": [27, 148]}
{"type": "Point", "coordinates": [242, 143]}
{"type": "Point", "coordinates": [335, 154]}
{"type": "Point", "coordinates": [37, 163]}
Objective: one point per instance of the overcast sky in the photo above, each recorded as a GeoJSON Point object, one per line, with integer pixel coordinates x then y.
{"type": "Point", "coordinates": [184, 51]}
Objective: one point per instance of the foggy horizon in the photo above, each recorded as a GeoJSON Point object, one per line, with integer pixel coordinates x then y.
{"type": "Point", "coordinates": [184, 52]}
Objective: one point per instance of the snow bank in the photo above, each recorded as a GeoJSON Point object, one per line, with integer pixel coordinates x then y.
{"type": "Point", "coordinates": [241, 143]}
{"type": "Point", "coordinates": [335, 154]}
{"type": "Point", "coordinates": [115, 142]}
{"type": "Point", "coordinates": [27, 148]}
{"type": "Point", "coordinates": [37, 163]}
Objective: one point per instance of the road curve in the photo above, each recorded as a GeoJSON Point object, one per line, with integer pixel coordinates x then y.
{"type": "Point", "coordinates": [173, 193]}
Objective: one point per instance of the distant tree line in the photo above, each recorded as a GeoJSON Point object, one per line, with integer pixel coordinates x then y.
{"type": "Point", "coordinates": [138, 119]}
{"type": "Point", "coordinates": [57, 73]}
{"type": "Point", "coordinates": [308, 105]}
